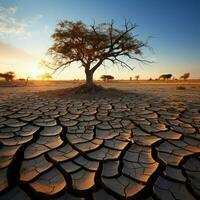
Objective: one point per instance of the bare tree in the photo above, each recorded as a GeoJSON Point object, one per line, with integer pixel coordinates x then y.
{"type": "Point", "coordinates": [185, 76]}
{"type": "Point", "coordinates": [92, 45]}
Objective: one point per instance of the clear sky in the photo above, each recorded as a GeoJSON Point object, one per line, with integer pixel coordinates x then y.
{"type": "Point", "coordinates": [26, 27]}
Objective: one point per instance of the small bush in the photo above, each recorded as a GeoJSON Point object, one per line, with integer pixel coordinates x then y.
{"type": "Point", "coordinates": [180, 88]}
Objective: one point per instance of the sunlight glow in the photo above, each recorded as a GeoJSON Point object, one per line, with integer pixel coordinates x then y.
{"type": "Point", "coordinates": [35, 73]}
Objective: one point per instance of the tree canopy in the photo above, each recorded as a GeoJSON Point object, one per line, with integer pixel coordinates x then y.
{"type": "Point", "coordinates": [137, 77]}
{"type": "Point", "coordinates": [185, 76]}
{"type": "Point", "coordinates": [8, 76]}
{"type": "Point", "coordinates": [107, 77]}
{"type": "Point", "coordinates": [92, 45]}
{"type": "Point", "coordinates": [165, 76]}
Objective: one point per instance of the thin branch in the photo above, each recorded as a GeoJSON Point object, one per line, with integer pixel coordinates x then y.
{"type": "Point", "coordinates": [60, 70]}
{"type": "Point", "coordinates": [111, 32]}
{"type": "Point", "coordinates": [124, 64]}
{"type": "Point", "coordinates": [63, 65]}
{"type": "Point", "coordinates": [127, 30]}
{"type": "Point", "coordinates": [140, 60]}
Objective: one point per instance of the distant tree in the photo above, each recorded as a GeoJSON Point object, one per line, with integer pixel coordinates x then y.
{"type": "Point", "coordinates": [2, 75]}
{"type": "Point", "coordinates": [137, 77]}
{"type": "Point", "coordinates": [174, 78]}
{"type": "Point", "coordinates": [92, 45]}
{"type": "Point", "coordinates": [185, 76]}
{"type": "Point", "coordinates": [8, 76]}
{"type": "Point", "coordinates": [165, 76]}
{"type": "Point", "coordinates": [24, 80]}
{"type": "Point", "coordinates": [150, 79]}
{"type": "Point", "coordinates": [45, 76]}
{"type": "Point", "coordinates": [107, 77]}
{"type": "Point", "coordinates": [130, 78]}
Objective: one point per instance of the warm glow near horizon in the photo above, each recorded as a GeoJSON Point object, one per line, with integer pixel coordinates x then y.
{"type": "Point", "coordinates": [36, 72]}
{"type": "Point", "coordinates": [26, 27]}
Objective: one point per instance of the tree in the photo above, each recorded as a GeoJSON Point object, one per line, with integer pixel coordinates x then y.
{"type": "Point", "coordinates": [45, 76]}
{"type": "Point", "coordinates": [107, 77]}
{"type": "Point", "coordinates": [8, 76]}
{"type": "Point", "coordinates": [92, 45]}
{"type": "Point", "coordinates": [137, 77]}
{"type": "Point", "coordinates": [165, 76]}
{"type": "Point", "coordinates": [185, 76]}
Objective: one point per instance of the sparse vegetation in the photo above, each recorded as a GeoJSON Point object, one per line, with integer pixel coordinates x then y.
{"type": "Point", "coordinates": [165, 76]}
{"type": "Point", "coordinates": [180, 88]}
{"type": "Point", "coordinates": [137, 77]}
{"type": "Point", "coordinates": [185, 76]}
{"type": "Point", "coordinates": [107, 77]}
{"type": "Point", "coordinates": [92, 45]}
{"type": "Point", "coordinates": [8, 76]}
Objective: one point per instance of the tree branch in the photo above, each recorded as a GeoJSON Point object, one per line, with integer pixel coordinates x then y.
{"type": "Point", "coordinates": [63, 65]}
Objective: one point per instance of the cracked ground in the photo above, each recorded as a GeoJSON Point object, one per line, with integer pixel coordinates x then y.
{"type": "Point", "coordinates": [144, 145]}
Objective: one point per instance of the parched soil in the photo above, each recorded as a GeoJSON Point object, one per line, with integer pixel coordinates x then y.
{"type": "Point", "coordinates": [142, 142]}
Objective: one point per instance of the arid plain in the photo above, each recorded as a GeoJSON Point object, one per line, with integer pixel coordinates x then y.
{"type": "Point", "coordinates": [142, 142]}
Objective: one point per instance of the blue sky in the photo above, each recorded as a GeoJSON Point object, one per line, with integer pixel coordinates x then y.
{"type": "Point", "coordinates": [26, 27]}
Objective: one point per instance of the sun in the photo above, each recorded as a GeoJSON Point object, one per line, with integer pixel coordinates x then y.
{"type": "Point", "coordinates": [37, 72]}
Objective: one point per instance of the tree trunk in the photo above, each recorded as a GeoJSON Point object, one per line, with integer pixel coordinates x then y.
{"type": "Point", "coordinates": [89, 79]}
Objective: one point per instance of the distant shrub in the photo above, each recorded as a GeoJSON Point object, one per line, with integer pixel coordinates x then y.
{"type": "Point", "coordinates": [8, 76]}
{"type": "Point", "coordinates": [185, 76]}
{"type": "Point", "coordinates": [180, 88]}
{"type": "Point", "coordinates": [165, 76]}
{"type": "Point", "coordinates": [107, 77]}
{"type": "Point", "coordinates": [137, 77]}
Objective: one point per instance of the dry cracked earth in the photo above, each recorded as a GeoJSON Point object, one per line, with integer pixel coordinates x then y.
{"type": "Point", "coordinates": [132, 147]}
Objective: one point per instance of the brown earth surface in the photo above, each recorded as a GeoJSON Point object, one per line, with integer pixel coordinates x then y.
{"type": "Point", "coordinates": [143, 143]}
